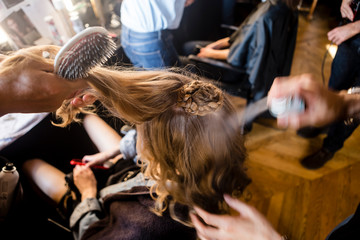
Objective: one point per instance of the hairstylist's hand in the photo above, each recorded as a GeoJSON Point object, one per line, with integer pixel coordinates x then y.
{"type": "Point", "coordinates": [83, 101]}
{"type": "Point", "coordinates": [346, 11]}
{"type": "Point", "coordinates": [85, 181]}
{"type": "Point", "coordinates": [35, 89]}
{"type": "Point", "coordinates": [248, 225]}
{"type": "Point", "coordinates": [322, 105]}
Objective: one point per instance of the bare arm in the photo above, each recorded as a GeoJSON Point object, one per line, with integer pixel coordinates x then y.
{"type": "Point", "coordinates": [219, 44]}
{"type": "Point", "coordinates": [104, 137]}
{"type": "Point", "coordinates": [213, 53]}
{"type": "Point", "coordinates": [34, 88]}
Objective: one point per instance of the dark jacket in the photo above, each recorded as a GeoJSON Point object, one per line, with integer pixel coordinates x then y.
{"type": "Point", "coordinates": [264, 47]}
{"type": "Point", "coordinates": [129, 218]}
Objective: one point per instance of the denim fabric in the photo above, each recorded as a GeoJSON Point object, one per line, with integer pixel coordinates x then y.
{"type": "Point", "coordinates": [149, 50]}
{"type": "Point", "coordinates": [345, 73]}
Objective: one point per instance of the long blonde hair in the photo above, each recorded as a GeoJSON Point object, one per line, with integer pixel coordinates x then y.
{"type": "Point", "coordinates": [188, 131]}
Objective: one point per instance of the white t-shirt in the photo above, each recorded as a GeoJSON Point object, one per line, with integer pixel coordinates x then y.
{"type": "Point", "coordinates": [151, 15]}
{"type": "Point", "coordinates": [15, 125]}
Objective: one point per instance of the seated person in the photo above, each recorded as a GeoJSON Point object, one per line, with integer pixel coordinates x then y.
{"type": "Point", "coordinates": [262, 46]}
{"type": "Point", "coordinates": [188, 140]}
{"type": "Point", "coordinates": [135, 199]}
{"type": "Point", "coordinates": [34, 88]}
{"type": "Point", "coordinates": [32, 135]}
{"type": "Point", "coordinates": [27, 136]}
{"type": "Point", "coordinates": [220, 49]}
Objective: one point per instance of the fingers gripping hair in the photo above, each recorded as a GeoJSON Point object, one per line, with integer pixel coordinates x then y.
{"type": "Point", "coordinates": [173, 112]}
{"type": "Point", "coordinates": [186, 127]}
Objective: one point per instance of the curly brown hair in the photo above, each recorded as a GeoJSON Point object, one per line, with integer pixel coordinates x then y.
{"type": "Point", "coordinates": [188, 133]}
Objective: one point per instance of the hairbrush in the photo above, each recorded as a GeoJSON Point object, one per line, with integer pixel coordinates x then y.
{"type": "Point", "coordinates": [84, 51]}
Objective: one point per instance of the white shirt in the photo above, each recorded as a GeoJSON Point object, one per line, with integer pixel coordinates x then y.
{"type": "Point", "coordinates": [15, 125]}
{"type": "Point", "coordinates": [151, 15]}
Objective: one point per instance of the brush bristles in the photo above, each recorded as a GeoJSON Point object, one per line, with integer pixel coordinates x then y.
{"type": "Point", "coordinates": [90, 51]}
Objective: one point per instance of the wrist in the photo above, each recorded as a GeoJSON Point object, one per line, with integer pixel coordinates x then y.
{"type": "Point", "coordinates": [355, 27]}
{"type": "Point", "coordinates": [91, 193]}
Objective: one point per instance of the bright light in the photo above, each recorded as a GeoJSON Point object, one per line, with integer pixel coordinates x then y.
{"type": "Point", "coordinates": [69, 5]}
{"type": "Point", "coordinates": [331, 49]}
{"type": "Point", "coordinates": [3, 36]}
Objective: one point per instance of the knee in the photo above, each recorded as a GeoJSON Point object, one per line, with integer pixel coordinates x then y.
{"type": "Point", "coordinates": [29, 167]}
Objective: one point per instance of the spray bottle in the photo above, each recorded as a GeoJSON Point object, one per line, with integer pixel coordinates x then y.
{"type": "Point", "coordinates": [10, 189]}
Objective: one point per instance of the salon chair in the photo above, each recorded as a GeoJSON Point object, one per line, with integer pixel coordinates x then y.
{"type": "Point", "coordinates": [262, 51]}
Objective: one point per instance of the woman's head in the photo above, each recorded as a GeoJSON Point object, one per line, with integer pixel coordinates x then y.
{"type": "Point", "coordinates": [187, 128]}
{"type": "Point", "coordinates": [196, 148]}
{"type": "Point", "coordinates": [188, 133]}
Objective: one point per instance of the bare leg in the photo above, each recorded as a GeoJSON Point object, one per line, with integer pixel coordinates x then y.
{"type": "Point", "coordinates": [50, 180]}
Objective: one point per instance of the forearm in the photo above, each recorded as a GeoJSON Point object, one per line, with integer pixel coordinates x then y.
{"type": "Point", "coordinates": [220, 54]}
{"type": "Point", "coordinates": [219, 44]}
{"type": "Point", "coordinates": [224, 43]}
{"type": "Point", "coordinates": [5, 96]}
{"type": "Point", "coordinates": [2, 89]}
{"type": "Point", "coordinates": [91, 193]}
{"type": "Point", "coordinates": [3, 110]}
{"type": "Point", "coordinates": [355, 26]}
{"type": "Point", "coordinates": [104, 137]}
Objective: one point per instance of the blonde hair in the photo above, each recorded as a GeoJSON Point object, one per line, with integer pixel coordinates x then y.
{"type": "Point", "coordinates": [14, 61]}
{"type": "Point", "coordinates": [189, 133]}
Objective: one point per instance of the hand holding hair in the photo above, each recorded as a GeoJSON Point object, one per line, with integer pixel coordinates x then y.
{"type": "Point", "coordinates": [162, 104]}
{"type": "Point", "coordinates": [249, 224]}
{"type": "Point", "coordinates": [83, 101]}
